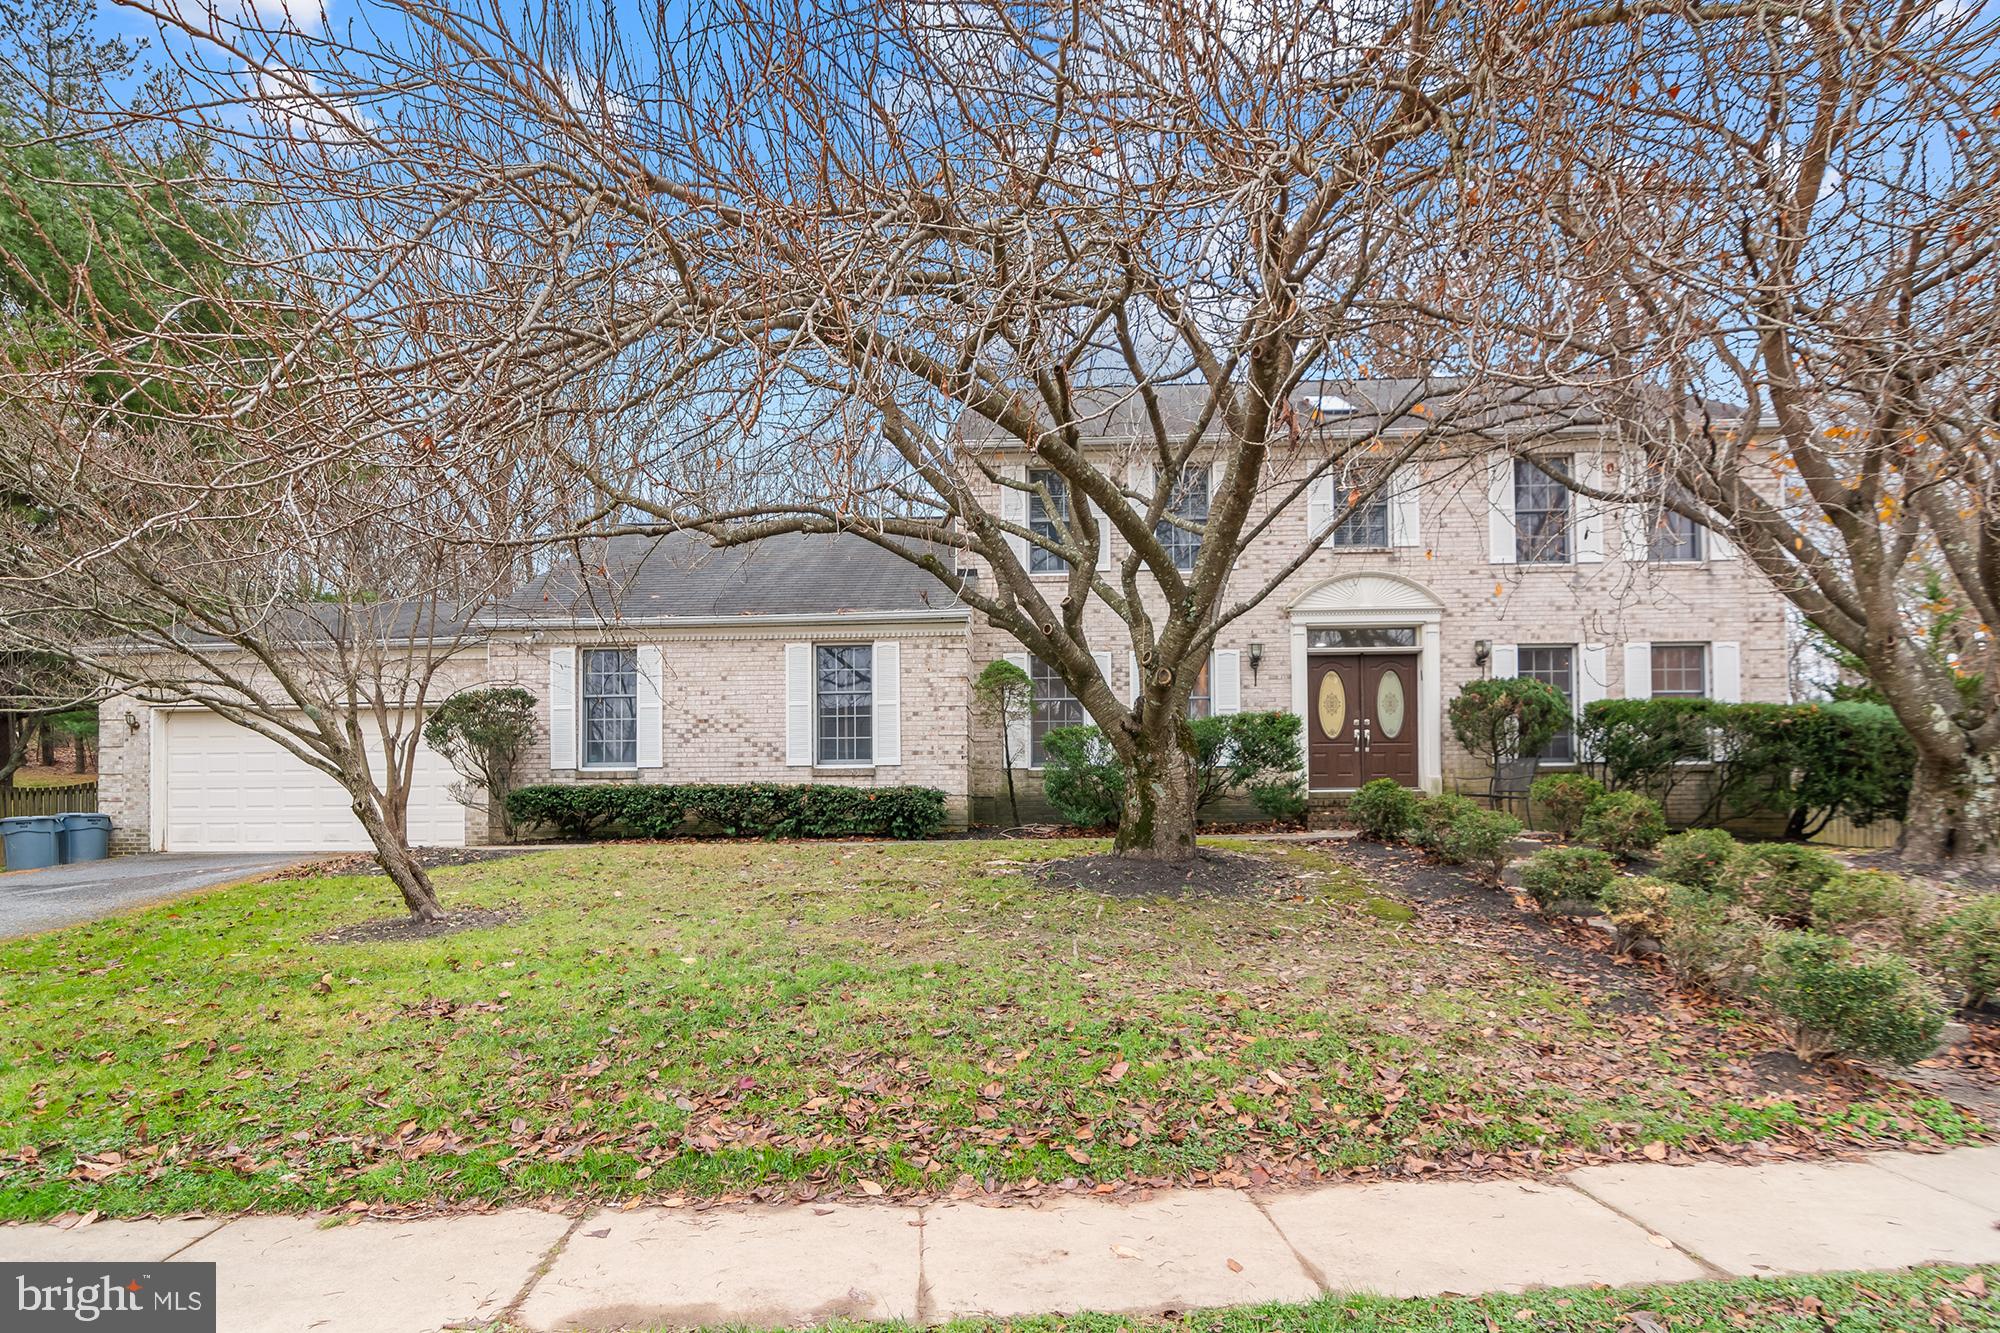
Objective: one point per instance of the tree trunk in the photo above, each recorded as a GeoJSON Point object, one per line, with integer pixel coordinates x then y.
{"type": "Point", "coordinates": [1954, 814]}
{"type": "Point", "coordinates": [1158, 820]}
{"type": "Point", "coordinates": [392, 850]}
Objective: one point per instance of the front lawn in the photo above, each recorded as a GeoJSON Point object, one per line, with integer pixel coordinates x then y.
{"type": "Point", "coordinates": [797, 1019]}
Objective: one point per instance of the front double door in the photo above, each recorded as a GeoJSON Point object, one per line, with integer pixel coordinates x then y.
{"type": "Point", "coordinates": [1361, 718]}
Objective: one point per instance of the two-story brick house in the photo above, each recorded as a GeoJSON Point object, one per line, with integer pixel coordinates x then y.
{"type": "Point", "coordinates": [828, 659]}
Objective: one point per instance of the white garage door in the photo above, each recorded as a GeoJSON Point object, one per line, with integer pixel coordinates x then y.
{"type": "Point", "coordinates": [229, 789]}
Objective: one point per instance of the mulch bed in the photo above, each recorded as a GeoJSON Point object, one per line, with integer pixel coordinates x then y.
{"type": "Point", "coordinates": [398, 929]}
{"type": "Point", "coordinates": [1637, 996]}
{"type": "Point", "coordinates": [1211, 874]}
{"type": "Point", "coordinates": [364, 863]}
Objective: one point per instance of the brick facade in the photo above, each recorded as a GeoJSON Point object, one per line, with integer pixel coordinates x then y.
{"type": "Point", "coordinates": [724, 695]}
{"type": "Point", "coordinates": [723, 703]}
{"type": "Point", "coordinates": [1613, 602]}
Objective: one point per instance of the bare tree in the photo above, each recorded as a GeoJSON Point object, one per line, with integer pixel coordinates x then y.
{"type": "Point", "coordinates": [983, 285]}
{"type": "Point", "coordinates": [307, 597]}
{"type": "Point", "coordinates": [1788, 221]}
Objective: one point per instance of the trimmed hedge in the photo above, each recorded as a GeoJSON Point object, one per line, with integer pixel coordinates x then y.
{"type": "Point", "coordinates": [749, 809]}
{"type": "Point", "coordinates": [1806, 762]}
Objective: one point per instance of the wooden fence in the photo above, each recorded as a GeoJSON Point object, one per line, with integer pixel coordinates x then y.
{"type": "Point", "coordinates": [1843, 832]}
{"type": "Point", "coordinates": [70, 798]}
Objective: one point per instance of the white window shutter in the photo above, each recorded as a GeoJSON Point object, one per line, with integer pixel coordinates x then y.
{"type": "Point", "coordinates": [1500, 512]}
{"type": "Point", "coordinates": [1725, 668]}
{"type": "Point", "coordinates": [1103, 537]}
{"type": "Point", "coordinates": [1506, 661]}
{"type": "Point", "coordinates": [1225, 681]}
{"type": "Point", "coordinates": [1132, 670]}
{"type": "Point", "coordinates": [1103, 661]}
{"type": "Point", "coordinates": [1319, 508]}
{"type": "Point", "coordinates": [1586, 511]}
{"type": "Point", "coordinates": [1592, 682]}
{"type": "Point", "coordinates": [1403, 488]}
{"type": "Point", "coordinates": [1638, 671]}
{"type": "Point", "coordinates": [888, 703]}
{"type": "Point", "coordinates": [1636, 533]}
{"type": "Point", "coordinates": [562, 708]}
{"type": "Point", "coordinates": [651, 713]}
{"type": "Point", "coordinates": [798, 705]}
{"type": "Point", "coordinates": [1017, 725]}
{"type": "Point", "coordinates": [1014, 509]}
{"type": "Point", "coordinates": [1716, 546]}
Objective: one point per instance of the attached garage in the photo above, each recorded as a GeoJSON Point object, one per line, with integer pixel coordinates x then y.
{"type": "Point", "coordinates": [219, 787]}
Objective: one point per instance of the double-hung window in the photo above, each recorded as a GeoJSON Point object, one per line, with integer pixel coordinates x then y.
{"type": "Point", "coordinates": [610, 707]}
{"type": "Point", "coordinates": [1554, 665]}
{"type": "Point", "coordinates": [1042, 520]}
{"type": "Point", "coordinates": [1541, 513]}
{"type": "Point", "coordinates": [1367, 523]}
{"type": "Point", "coordinates": [1054, 707]}
{"type": "Point", "coordinates": [1189, 506]}
{"type": "Point", "coordinates": [1680, 671]}
{"type": "Point", "coordinates": [844, 703]}
{"type": "Point", "coordinates": [1674, 537]}
{"type": "Point", "coordinates": [1201, 703]}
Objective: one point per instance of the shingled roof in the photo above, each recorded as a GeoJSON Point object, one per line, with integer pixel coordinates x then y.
{"type": "Point", "coordinates": [680, 576]}
{"type": "Point", "coordinates": [1118, 412]}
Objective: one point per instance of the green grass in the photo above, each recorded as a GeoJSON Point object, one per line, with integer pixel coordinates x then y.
{"type": "Point", "coordinates": [1919, 1299]}
{"type": "Point", "coordinates": [709, 1020]}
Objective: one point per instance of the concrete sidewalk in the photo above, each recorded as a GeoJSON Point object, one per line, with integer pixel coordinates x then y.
{"type": "Point", "coordinates": [1179, 1250]}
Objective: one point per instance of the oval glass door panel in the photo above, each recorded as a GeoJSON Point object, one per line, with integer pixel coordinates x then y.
{"type": "Point", "coordinates": [1332, 705]}
{"type": "Point", "coordinates": [1389, 705]}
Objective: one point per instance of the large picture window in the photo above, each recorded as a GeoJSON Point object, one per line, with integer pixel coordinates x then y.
{"type": "Point", "coordinates": [610, 707]}
{"type": "Point", "coordinates": [1055, 707]}
{"type": "Point", "coordinates": [1188, 504]}
{"type": "Point", "coordinates": [844, 703]}
{"type": "Point", "coordinates": [1541, 513]}
{"type": "Point", "coordinates": [1555, 665]}
{"type": "Point", "coordinates": [1042, 522]}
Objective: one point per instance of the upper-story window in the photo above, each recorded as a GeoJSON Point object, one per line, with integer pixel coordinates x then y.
{"type": "Point", "coordinates": [1054, 707]}
{"type": "Point", "coordinates": [1367, 521]}
{"type": "Point", "coordinates": [1188, 504]}
{"type": "Point", "coordinates": [1674, 537]}
{"type": "Point", "coordinates": [1541, 512]}
{"type": "Point", "coordinates": [1042, 522]}
{"type": "Point", "coordinates": [844, 703]}
{"type": "Point", "coordinates": [610, 707]}
{"type": "Point", "coordinates": [1680, 671]}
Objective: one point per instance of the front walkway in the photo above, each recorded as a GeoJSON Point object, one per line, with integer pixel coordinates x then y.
{"type": "Point", "coordinates": [1182, 1249]}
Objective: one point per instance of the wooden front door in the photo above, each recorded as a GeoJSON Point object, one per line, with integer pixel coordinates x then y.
{"type": "Point", "coordinates": [1361, 718]}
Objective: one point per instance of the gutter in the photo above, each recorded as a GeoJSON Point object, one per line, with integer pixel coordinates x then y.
{"type": "Point", "coordinates": [940, 616]}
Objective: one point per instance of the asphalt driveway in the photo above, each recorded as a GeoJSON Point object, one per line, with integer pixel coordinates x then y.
{"type": "Point", "coordinates": [34, 900]}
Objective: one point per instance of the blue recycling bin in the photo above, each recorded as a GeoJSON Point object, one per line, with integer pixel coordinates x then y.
{"type": "Point", "coordinates": [32, 841]}
{"type": "Point", "coordinates": [86, 837]}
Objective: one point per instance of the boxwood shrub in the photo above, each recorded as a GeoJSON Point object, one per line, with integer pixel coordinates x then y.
{"type": "Point", "coordinates": [1558, 875]}
{"type": "Point", "coordinates": [748, 809]}
{"type": "Point", "coordinates": [1835, 1000]}
{"type": "Point", "coordinates": [1384, 809]}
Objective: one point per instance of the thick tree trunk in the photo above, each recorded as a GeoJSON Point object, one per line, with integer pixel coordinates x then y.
{"type": "Point", "coordinates": [1158, 820]}
{"type": "Point", "coordinates": [1954, 814]}
{"type": "Point", "coordinates": [392, 850]}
